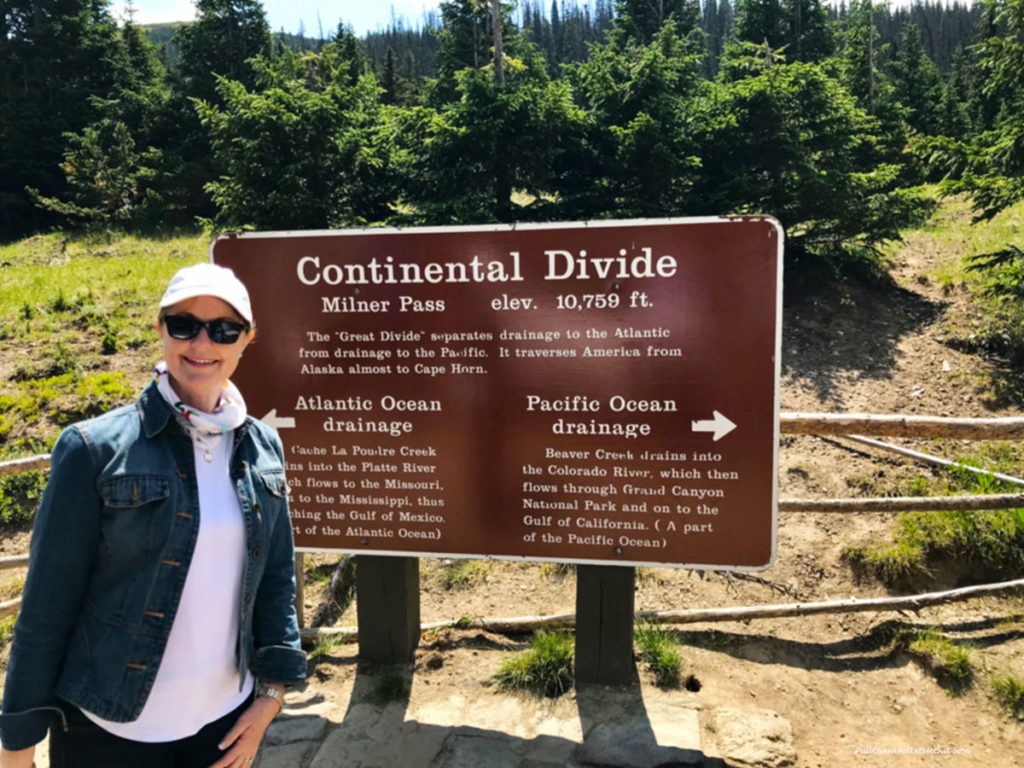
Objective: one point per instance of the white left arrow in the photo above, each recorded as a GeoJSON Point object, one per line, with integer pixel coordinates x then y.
{"type": "Point", "coordinates": [720, 425]}
{"type": "Point", "coordinates": [279, 422]}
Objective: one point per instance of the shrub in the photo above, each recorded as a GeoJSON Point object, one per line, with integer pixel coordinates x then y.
{"type": "Point", "coordinates": [1009, 691]}
{"type": "Point", "coordinates": [659, 650]}
{"type": "Point", "coordinates": [545, 670]}
{"type": "Point", "coordinates": [19, 497]}
{"type": "Point", "coordinates": [463, 574]}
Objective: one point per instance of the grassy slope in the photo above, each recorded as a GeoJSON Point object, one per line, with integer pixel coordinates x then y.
{"type": "Point", "coordinates": [76, 326]}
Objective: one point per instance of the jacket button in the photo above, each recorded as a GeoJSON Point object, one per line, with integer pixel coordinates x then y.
{"type": "Point", "coordinates": [256, 553]}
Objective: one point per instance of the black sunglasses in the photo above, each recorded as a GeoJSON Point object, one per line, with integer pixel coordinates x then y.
{"type": "Point", "coordinates": [220, 330]}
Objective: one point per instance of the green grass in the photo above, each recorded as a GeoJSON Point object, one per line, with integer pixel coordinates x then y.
{"type": "Point", "coordinates": [557, 571]}
{"type": "Point", "coordinates": [463, 574]}
{"type": "Point", "coordinates": [987, 544]}
{"type": "Point", "coordinates": [7, 629]}
{"type": "Point", "coordinates": [68, 303]}
{"type": "Point", "coordinates": [949, 661]}
{"type": "Point", "coordinates": [544, 670]}
{"type": "Point", "coordinates": [1009, 692]}
{"type": "Point", "coordinates": [391, 684]}
{"type": "Point", "coordinates": [324, 646]}
{"type": "Point", "coordinates": [659, 649]}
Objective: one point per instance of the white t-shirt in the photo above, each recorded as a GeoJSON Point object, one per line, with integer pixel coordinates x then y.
{"type": "Point", "coordinates": [197, 681]}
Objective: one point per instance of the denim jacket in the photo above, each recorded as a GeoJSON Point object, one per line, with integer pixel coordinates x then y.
{"type": "Point", "coordinates": [111, 546]}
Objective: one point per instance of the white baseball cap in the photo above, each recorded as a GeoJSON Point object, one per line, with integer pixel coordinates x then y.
{"type": "Point", "coordinates": [208, 280]}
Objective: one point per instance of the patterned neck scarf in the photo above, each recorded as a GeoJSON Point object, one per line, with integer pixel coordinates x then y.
{"type": "Point", "coordinates": [206, 429]}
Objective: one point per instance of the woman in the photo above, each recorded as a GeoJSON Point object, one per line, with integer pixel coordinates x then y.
{"type": "Point", "coordinates": [157, 626]}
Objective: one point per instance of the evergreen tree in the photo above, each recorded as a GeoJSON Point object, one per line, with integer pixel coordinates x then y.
{"type": "Point", "coordinates": [641, 20]}
{"type": "Point", "coordinates": [493, 139]}
{"type": "Point", "coordinates": [390, 78]}
{"type": "Point", "coordinates": [55, 56]}
{"type": "Point", "coordinates": [225, 37]}
{"type": "Point", "coordinates": [352, 51]}
{"type": "Point", "coordinates": [303, 148]}
{"type": "Point", "coordinates": [220, 43]}
{"type": "Point", "coordinates": [112, 167]}
{"type": "Point", "coordinates": [464, 40]}
{"type": "Point", "coordinates": [916, 82]}
{"type": "Point", "coordinates": [990, 168]}
{"type": "Point", "coordinates": [799, 28]}
{"type": "Point", "coordinates": [791, 142]}
{"type": "Point", "coordinates": [861, 56]}
{"type": "Point", "coordinates": [642, 160]}
{"type": "Point", "coordinates": [957, 97]}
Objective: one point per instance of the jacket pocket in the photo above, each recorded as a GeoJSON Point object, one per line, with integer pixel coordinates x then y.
{"type": "Point", "coordinates": [126, 491]}
{"type": "Point", "coordinates": [274, 482]}
{"type": "Point", "coordinates": [131, 526]}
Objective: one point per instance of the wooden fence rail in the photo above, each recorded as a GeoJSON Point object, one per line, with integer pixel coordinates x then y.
{"type": "Point", "coordinates": [707, 615]}
{"type": "Point", "coordinates": [851, 425]}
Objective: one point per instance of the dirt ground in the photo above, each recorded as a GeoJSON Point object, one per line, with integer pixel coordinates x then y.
{"type": "Point", "coordinates": [851, 697]}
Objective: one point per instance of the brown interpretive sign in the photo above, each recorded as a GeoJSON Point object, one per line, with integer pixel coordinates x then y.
{"type": "Point", "coordinates": [599, 392]}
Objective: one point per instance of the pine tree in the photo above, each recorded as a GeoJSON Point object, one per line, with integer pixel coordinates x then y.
{"type": "Point", "coordinates": [641, 20]}
{"type": "Point", "coordinates": [55, 56]}
{"type": "Point", "coordinates": [352, 51]}
{"type": "Point", "coordinates": [225, 37]}
{"type": "Point", "coordinates": [916, 82]}
{"type": "Point", "coordinates": [465, 40]}
{"type": "Point", "coordinates": [799, 29]}
{"type": "Point", "coordinates": [112, 167]}
{"type": "Point", "coordinates": [389, 80]}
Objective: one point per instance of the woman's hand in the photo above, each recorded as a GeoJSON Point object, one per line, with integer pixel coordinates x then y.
{"type": "Point", "coordinates": [243, 740]}
{"type": "Point", "coordinates": [21, 758]}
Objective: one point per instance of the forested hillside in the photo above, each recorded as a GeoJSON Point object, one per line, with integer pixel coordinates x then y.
{"type": "Point", "coordinates": [828, 118]}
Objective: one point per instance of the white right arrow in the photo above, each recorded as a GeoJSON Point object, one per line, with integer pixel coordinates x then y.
{"type": "Point", "coordinates": [720, 425]}
{"type": "Point", "coordinates": [279, 422]}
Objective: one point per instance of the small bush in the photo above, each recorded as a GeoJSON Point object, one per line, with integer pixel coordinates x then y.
{"type": "Point", "coordinates": [545, 670]}
{"type": "Point", "coordinates": [19, 497]}
{"type": "Point", "coordinates": [391, 685]}
{"type": "Point", "coordinates": [60, 304]}
{"type": "Point", "coordinates": [324, 646]}
{"type": "Point", "coordinates": [1009, 691]}
{"type": "Point", "coordinates": [660, 651]}
{"type": "Point", "coordinates": [463, 574]}
{"type": "Point", "coordinates": [7, 629]}
{"type": "Point", "coordinates": [109, 343]}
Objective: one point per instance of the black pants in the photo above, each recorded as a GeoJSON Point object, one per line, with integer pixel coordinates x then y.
{"type": "Point", "coordinates": [85, 745]}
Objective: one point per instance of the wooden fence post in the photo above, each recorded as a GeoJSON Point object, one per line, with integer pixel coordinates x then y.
{"type": "Point", "coordinates": [387, 607]}
{"type": "Point", "coordinates": [604, 624]}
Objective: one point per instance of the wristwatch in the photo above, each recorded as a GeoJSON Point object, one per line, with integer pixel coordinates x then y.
{"type": "Point", "coordinates": [262, 689]}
